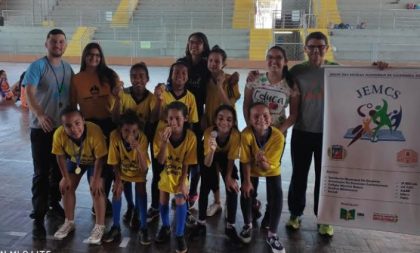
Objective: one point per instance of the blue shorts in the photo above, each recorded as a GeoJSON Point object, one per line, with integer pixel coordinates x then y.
{"type": "Point", "coordinates": [71, 168]}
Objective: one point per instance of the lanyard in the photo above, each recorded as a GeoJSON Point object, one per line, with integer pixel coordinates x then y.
{"type": "Point", "coordinates": [59, 86]}
{"type": "Point", "coordinates": [78, 156]}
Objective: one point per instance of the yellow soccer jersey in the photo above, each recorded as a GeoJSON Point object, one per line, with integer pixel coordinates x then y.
{"type": "Point", "coordinates": [93, 146]}
{"type": "Point", "coordinates": [187, 98]}
{"type": "Point", "coordinates": [127, 160]}
{"type": "Point", "coordinates": [231, 147]}
{"type": "Point", "coordinates": [213, 99]}
{"type": "Point", "coordinates": [143, 108]}
{"type": "Point", "coordinates": [185, 153]}
{"type": "Point", "coordinates": [273, 150]}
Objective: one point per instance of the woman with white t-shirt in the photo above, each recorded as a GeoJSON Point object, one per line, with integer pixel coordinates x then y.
{"type": "Point", "coordinates": [277, 90]}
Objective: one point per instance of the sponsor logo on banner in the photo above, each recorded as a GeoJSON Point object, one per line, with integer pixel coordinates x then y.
{"type": "Point", "coordinates": [378, 122]}
{"type": "Point", "coordinates": [407, 157]}
{"type": "Point", "coordinates": [337, 152]}
{"type": "Point", "coordinates": [347, 214]}
{"type": "Point", "coordinates": [385, 217]}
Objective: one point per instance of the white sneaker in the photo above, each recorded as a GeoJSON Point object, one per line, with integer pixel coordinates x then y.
{"type": "Point", "coordinates": [96, 235]}
{"type": "Point", "coordinates": [64, 230]}
{"type": "Point", "coordinates": [213, 209]}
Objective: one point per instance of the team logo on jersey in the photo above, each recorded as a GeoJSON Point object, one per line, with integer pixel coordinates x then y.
{"type": "Point", "coordinates": [377, 123]}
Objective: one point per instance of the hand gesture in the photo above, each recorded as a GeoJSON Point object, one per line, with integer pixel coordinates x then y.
{"type": "Point", "coordinates": [247, 188]}
{"type": "Point", "coordinates": [252, 76]}
{"type": "Point", "coordinates": [231, 184]}
{"type": "Point", "coordinates": [159, 89]}
{"type": "Point", "coordinates": [166, 134]}
{"type": "Point", "coordinates": [45, 122]}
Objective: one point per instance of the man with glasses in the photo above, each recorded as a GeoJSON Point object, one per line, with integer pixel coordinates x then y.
{"type": "Point", "coordinates": [307, 131]}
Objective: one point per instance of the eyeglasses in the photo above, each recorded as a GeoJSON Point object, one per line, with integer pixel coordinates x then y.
{"type": "Point", "coordinates": [319, 47]}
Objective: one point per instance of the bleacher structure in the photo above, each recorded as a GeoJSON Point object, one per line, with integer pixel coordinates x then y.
{"type": "Point", "coordinates": [160, 28]}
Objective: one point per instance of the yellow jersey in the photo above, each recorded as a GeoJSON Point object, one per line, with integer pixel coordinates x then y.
{"type": "Point", "coordinates": [143, 108]}
{"type": "Point", "coordinates": [231, 147]}
{"type": "Point", "coordinates": [181, 154]}
{"type": "Point", "coordinates": [213, 99]}
{"type": "Point", "coordinates": [272, 149]}
{"type": "Point", "coordinates": [92, 147]}
{"type": "Point", "coordinates": [187, 98]}
{"type": "Point", "coordinates": [127, 160]}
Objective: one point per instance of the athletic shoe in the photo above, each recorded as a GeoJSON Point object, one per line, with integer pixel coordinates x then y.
{"type": "Point", "coordinates": [64, 230]}
{"type": "Point", "coordinates": [191, 200]}
{"type": "Point", "coordinates": [144, 237]}
{"type": "Point", "coordinates": [164, 235]}
{"type": "Point", "coordinates": [181, 245]}
{"type": "Point", "coordinates": [326, 230]}
{"type": "Point", "coordinates": [190, 221]}
{"type": "Point", "coordinates": [135, 222]}
{"type": "Point", "coordinates": [38, 230]}
{"type": "Point", "coordinates": [246, 234]}
{"type": "Point", "coordinates": [213, 209]}
{"type": "Point", "coordinates": [275, 244]}
{"type": "Point", "coordinates": [113, 235]}
{"type": "Point", "coordinates": [96, 235]}
{"type": "Point", "coordinates": [293, 223]}
{"type": "Point", "coordinates": [231, 233]}
{"type": "Point", "coordinates": [152, 214]}
{"type": "Point", "coordinates": [128, 214]}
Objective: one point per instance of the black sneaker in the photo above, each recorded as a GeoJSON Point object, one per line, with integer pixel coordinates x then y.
{"type": "Point", "coordinates": [275, 244]}
{"type": "Point", "coordinates": [163, 235]}
{"type": "Point", "coordinates": [38, 230]}
{"type": "Point", "coordinates": [144, 237]}
{"type": "Point", "coordinates": [55, 210]}
{"type": "Point", "coordinates": [198, 229]}
{"type": "Point", "coordinates": [231, 233]}
{"type": "Point", "coordinates": [135, 222]}
{"type": "Point", "coordinates": [113, 235]}
{"type": "Point", "coordinates": [246, 234]}
{"type": "Point", "coordinates": [191, 221]}
{"type": "Point", "coordinates": [128, 214]}
{"type": "Point", "coordinates": [181, 245]}
{"type": "Point", "coordinates": [265, 222]}
{"type": "Point", "coordinates": [108, 210]}
{"type": "Point", "coordinates": [152, 214]}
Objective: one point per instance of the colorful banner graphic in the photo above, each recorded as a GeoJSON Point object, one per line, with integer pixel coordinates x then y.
{"type": "Point", "coordinates": [370, 169]}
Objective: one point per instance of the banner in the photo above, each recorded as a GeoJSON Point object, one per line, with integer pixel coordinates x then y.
{"type": "Point", "coordinates": [370, 166]}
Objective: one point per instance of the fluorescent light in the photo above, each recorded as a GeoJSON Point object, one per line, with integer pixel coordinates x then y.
{"type": "Point", "coordinates": [283, 32]}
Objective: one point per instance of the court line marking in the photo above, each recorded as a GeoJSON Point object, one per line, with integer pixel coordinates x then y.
{"type": "Point", "coordinates": [14, 233]}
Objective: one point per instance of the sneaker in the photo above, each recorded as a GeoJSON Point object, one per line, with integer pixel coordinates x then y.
{"type": "Point", "coordinates": [231, 233]}
{"type": "Point", "coordinates": [64, 230]}
{"type": "Point", "coordinates": [38, 230]}
{"type": "Point", "coordinates": [144, 237]}
{"type": "Point", "coordinates": [135, 222]}
{"type": "Point", "coordinates": [213, 209]}
{"type": "Point", "coordinates": [293, 223]}
{"type": "Point", "coordinates": [326, 230]}
{"type": "Point", "coordinates": [164, 235]}
{"type": "Point", "coordinates": [199, 229]}
{"type": "Point", "coordinates": [265, 222]}
{"type": "Point", "coordinates": [191, 200]}
{"type": "Point", "coordinates": [56, 210]}
{"type": "Point", "coordinates": [181, 245]}
{"type": "Point", "coordinates": [113, 235]}
{"type": "Point", "coordinates": [152, 214]}
{"type": "Point", "coordinates": [190, 221]}
{"type": "Point", "coordinates": [96, 235]}
{"type": "Point", "coordinates": [246, 234]}
{"type": "Point", "coordinates": [108, 210]}
{"type": "Point", "coordinates": [256, 214]}
{"type": "Point", "coordinates": [128, 214]}
{"type": "Point", "coordinates": [275, 244]}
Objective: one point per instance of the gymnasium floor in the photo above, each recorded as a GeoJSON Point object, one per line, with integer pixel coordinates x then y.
{"type": "Point", "coordinates": [15, 203]}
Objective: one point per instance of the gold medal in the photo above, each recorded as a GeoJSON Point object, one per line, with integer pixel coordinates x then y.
{"type": "Point", "coordinates": [78, 170]}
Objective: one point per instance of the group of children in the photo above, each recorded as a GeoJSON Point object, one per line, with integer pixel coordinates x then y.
{"type": "Point", "coordinates": [184, 131]}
